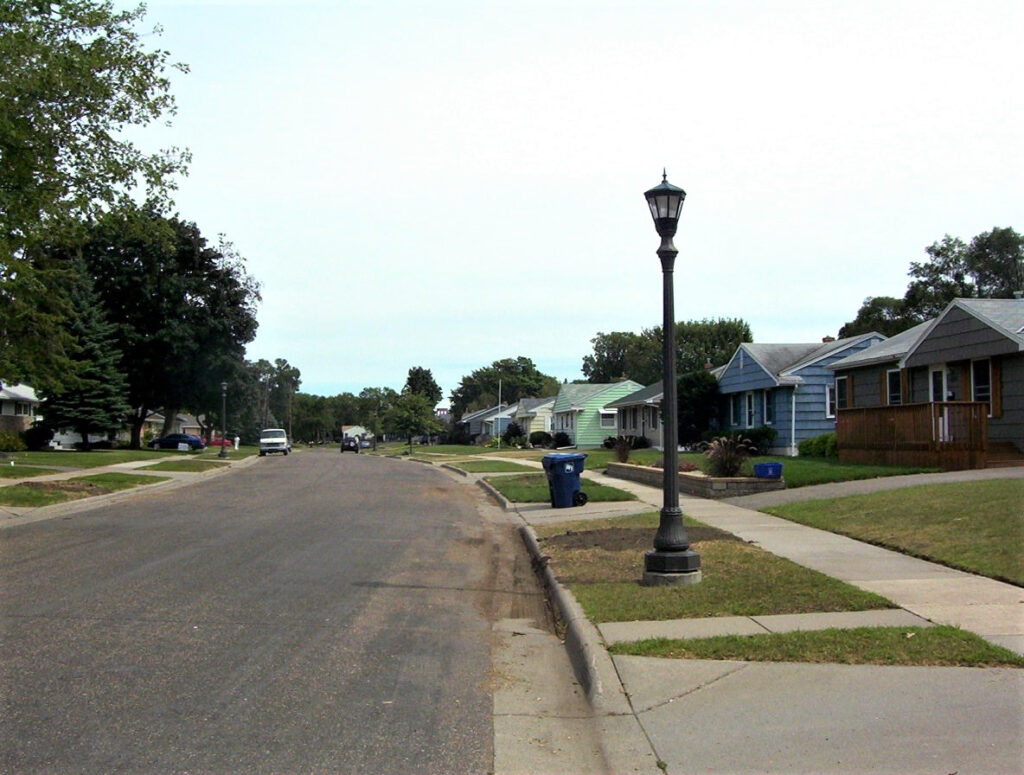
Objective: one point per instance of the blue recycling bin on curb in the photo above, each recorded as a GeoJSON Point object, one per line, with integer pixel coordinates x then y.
{"type": "Point", "coordinates": [768, 470]}
{"type": "Point", "coordinates": [563, 470]}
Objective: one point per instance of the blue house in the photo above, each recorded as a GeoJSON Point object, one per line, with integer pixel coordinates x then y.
{"type": "Point", "coordinates": [788, 387]}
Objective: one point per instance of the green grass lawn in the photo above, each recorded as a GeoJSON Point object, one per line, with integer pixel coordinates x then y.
{"type": "Point", "coordinates": [191, 466]}
{"type": "Point", "coordinates": [533, 488]}
{"type": "Point", "coordinates": [602, 562]}
{"type": "Point", "coordinates": [932, 646]}
{"type": "Point", "coordinates": [20, 471]}
{"type": "Point", "coordinates": [36, 494]}
{"type": "Point", "coordinates": [797, 471]}
{"type": "Point", "coordinates": [491, 466]}
{"type": "Point", "coordinates": [975, 526]}
{"type": "Point", "coordinates": [94, 459]}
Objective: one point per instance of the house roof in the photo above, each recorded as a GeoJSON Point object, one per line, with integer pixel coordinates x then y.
{"type": "Point", "coordinates": [573, 396]}
{"type": "Point", "coordinates": [480, 414]}
{"type": "Point", "coordinates": [782, 361]}
{"type": "Point", "coordinates": [1004, 315]}
{"type": "Point", "coordinates": [892, 349]}
{"type": "Point", "coordinates": [649, 395]}
{"type": "Point", "coordinates": [18, 393]}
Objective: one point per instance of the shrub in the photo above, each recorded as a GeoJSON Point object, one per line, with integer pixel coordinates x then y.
{"type": "Point", "coordinates": [512, 431]}
{"type": "Point", "coordinates": [762, 438]}
{"type": "Point", "coordinates": [641, 442]}
{"type": "Point", "coordinates": [540, 439]}
{"type": "Point", "coordinates": [623, 446]}
{"type": "Point", "coordinates": [38, 437]}
{"type": "Point", "coordinates": [11, 442]}
{"type": "Point", "coordinates": [561, 439]}
{"type": "Point", "coordinates": [726, 455]}
{"type": "Point", "coordinates": [819, 446]}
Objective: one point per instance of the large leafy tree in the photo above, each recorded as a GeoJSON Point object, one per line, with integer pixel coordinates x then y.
{"type": "Point", "coordinates": [512, 378]}
{"type": "Point", "coordinates": [182, 310]}
{"type": "Point", "coordinates": [639, 356]}
{"type": "Point", "coordinates": [74, 75]}
{"type": "Point", "coordinates": [991, 266]}
{"type": "Point", "coordinates": [421, 382]}
{"type": "Point", "coordinates": [883, 314]}
{"type": "Point", "coordinates": [94, 399]}
{"type": "Point", "coordinates": [411, 415]}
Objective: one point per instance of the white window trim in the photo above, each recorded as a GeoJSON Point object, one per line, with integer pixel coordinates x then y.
{"type": "Point", "coordinates": [888, 391]}
{"type": "Point", "coordinates": [830, 401]}
{"type": "Point", "coordinates": [973, 393]}
{"type": "Point", "coordinates": [764, 408]}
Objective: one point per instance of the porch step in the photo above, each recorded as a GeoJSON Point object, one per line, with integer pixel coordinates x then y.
{"type": "Point", "coordinates": [1004, 455]}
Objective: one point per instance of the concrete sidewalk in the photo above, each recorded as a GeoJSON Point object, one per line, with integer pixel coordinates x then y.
{"type": "Point", "coordinates": [704, 716]}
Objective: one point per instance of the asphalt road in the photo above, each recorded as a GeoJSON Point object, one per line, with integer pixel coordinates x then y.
{"type": "Point", "coordinates": [316, 612]}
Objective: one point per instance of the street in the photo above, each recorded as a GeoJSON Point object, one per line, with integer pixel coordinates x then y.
{"type": "Point", "coordinates": [315, 612]}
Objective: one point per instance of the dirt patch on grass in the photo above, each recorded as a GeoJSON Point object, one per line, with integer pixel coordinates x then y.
{"type": "Point", "coordinates": [620, 539]}
{"type": "Point", "coordinates": [70, 488]}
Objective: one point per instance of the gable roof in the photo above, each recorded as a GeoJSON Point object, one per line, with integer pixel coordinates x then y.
{"type": "Point", "coordinates": [781, 361]}
{"type": "Point", "coordinates": [1004, 315]}
{"type": "Point", "coordinates": [892, 349]}
{"type": "Point", "coordinates": [574, 395]}
{"type": "Point", "coordinates": [649, 395]}
{"type": "Point", "coordinates": [480, 414]}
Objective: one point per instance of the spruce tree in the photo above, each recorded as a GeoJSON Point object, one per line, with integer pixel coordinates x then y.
{"type": "Point", "coordinates": [94, 397]}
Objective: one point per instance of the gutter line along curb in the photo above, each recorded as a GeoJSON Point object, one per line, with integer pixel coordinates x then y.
{"type": "Point", "coordinates": [625, 746]}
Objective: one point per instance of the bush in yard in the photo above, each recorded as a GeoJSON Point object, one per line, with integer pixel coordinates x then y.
{"type": "Point", "coordinates": [11, 442]}
{"type": "Point", "coordinates": [540, 439]}
{"type": "Point", "coordinates": [38, 437]}
{"type": "Point", "coordinates": [726, 455]}
{"type": "Point", "coordinates": [561, 439]}
{"type": "Point", "coordinates": [819, 446]}
{"type": "Point", "coordinates": [512, 431]}
{"type": "Point", "coordinates": [762, 438]}
{"type": "Point", "coordinates": [641, 442]}
{"type": "Point", "coordinates": [623, 446]}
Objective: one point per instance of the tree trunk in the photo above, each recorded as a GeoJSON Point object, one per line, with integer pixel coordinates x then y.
{"type": "Point", "coordinates": [169, 418]}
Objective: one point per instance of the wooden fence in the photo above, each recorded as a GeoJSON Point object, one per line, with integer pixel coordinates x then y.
{"type": "Point", "coordinates": [949, 435]}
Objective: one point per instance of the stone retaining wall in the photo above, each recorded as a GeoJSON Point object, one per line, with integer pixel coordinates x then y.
{"type": "Point", "coordinates": [697, 484]}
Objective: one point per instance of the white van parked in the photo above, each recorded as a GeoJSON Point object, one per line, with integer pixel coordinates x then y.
{"type": "Point", "coordinates": [274, 440]}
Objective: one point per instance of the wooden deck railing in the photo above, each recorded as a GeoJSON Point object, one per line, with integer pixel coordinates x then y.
{"type": "Point", "coordinates": [949, 435]}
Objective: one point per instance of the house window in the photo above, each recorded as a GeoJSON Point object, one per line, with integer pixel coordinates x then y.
{"type": "Point", "coordinates": [654, 418]}
{"type": "Point", "coordinates": [750, 410]}
{"type": "Point", "coordinates": [842, 395]}
{"type": "Point", "coordinates": [22, 409]}
{"type": "Point", "coordinates": [830, 401]}
{"type": "Point", "coordinates": [894, 387]}
{"type": "Point", "coordinates": [769, 408]}
{"type": "Point", "coordinates": [981, 382]}
{"type": "Point", "coordinates": [608, 420]}
{"type": "Point", "coordinates": [735, 410]}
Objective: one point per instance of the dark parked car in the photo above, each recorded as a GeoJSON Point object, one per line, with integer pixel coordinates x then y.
{"type": "Point", "coordinates": [173, 440]}
{"type": "Point", "coordinates": [351, 444]}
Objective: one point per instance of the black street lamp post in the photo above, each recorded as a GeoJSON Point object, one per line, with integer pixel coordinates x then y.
{"type": "Point", "coordinates": [672, 561]}
{"type": "Point", "coordinates": [223, 419]}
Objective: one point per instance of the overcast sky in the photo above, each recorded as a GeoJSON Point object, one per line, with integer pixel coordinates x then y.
{"type": "Point", "coordinates": [445, 184]}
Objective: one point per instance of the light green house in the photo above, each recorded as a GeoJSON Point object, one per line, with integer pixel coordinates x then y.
{"type": "Point", "coordinates": [581, 411]}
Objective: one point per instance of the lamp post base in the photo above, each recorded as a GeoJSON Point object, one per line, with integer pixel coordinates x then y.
{"type": "Point", "coordinates": [671, 568]}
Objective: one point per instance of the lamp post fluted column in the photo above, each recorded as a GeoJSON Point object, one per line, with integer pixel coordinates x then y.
{"type": "Point", "coordinates": [672, 561]}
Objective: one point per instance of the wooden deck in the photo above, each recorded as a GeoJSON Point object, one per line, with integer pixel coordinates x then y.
{"type": "Point", "coordinates": [950, 435]}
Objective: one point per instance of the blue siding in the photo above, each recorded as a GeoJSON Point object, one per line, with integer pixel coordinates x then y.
{"type": "Point", "coordinates": [744, 374]}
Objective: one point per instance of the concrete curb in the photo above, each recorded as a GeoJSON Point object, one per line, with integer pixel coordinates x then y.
{"type": "Point", "coordinates": [628, 749]}
{"type": "Point", "coordinates": [487, 487]}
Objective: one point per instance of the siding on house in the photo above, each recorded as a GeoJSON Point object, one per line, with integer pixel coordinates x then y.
{"type": "Point", "coordinates": [967, 331]}
{"type": "Point", "coordinates": [784, 386]}
{"type": "Point", "coordinates": [577, 411]}
{"type": "Point", "coordinates": [639, 414]}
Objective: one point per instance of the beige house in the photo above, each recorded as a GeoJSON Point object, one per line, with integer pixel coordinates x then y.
{"type": "Point", "coordinates": [18, 407]}
{"type": "Point", "coordinates": [533, 415]}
